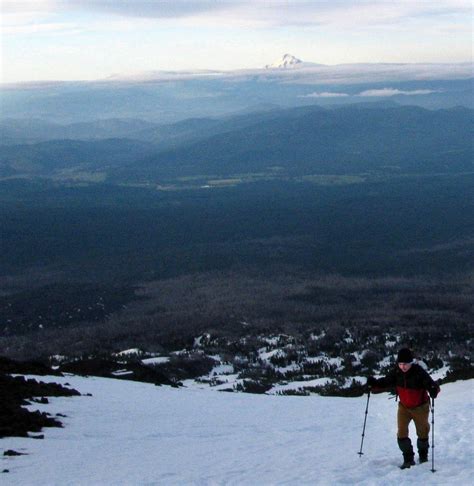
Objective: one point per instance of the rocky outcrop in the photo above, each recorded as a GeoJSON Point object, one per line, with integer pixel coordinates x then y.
{"type": "Point", "coordinates": [11, 366]}
{"type": "Point", "coordinates": [18, 391]}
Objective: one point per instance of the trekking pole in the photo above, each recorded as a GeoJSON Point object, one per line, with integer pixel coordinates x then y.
{"type": "Point", "coordinates": [432, 436]}
{"type": "Point", "coordinates": [365, 420]}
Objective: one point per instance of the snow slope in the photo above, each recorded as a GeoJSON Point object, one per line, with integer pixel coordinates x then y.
{"type": "Point", "coordinates": [131, 433]}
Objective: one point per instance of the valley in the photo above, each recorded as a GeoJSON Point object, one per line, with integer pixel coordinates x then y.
{"type": "Point", "coordinates": [295, 222]}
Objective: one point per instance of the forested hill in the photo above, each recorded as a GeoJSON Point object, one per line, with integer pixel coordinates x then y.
{"type": "Point", "coordinates": [300, 141]}
{"type": "Point", "coordinates": [347, 140]}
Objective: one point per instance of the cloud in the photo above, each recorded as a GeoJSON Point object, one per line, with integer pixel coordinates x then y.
{"type": "Point", "coordinates": [126, 8]}
{"type": "Point", "coordinates": [385, 92]}
{"type": "Point", "coordinates": [41, 28]}
{"type": "Point", "coordinates": [355, 13]}
{"type": "Point", "coordinates": [27, 6]}
{"type": "Point", "coordinates": [154, 9]}
{"type": "Point", "coordinates": [325, 94]}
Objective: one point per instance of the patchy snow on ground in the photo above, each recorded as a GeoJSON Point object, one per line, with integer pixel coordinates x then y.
{"type": "Point", "coordinates": [287, 369]}
{"type": "Point", "coordinates": [156, 360]}
{"type": "Point", "coordinates": [299, 385]}
{"type": "Point", "coordinates": [122, 373]}
{"type": "Point", "coordinates": [441, 373]}
{"type": "Point", "coordinates": [266, 355]}
{"type": "Point", "coordinates": [129, 352]}
{"type": "Point", "coordinates": [222, 369]}
{"type": "Point", "coordinates": [130, 433]}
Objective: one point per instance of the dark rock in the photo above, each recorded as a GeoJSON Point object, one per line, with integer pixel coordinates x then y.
{"type": "Point", "coordinates": [42, 400]}
{"type": "Point", "coordinates": [11, 452]}
{"type": "Point", "coordinates": [11, 366]}
{"type": "Point", "coordinates": [15, 420]}
{"type": "Point", "coordinates": [40, 436]}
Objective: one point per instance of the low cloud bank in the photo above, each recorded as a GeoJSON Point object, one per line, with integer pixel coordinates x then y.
{"type": "Point", "coordinates": [326, 94]}
{"type": "Point", "coordinates": [395, 92]}
{"type": "Point", "coordinates": [374, 93]}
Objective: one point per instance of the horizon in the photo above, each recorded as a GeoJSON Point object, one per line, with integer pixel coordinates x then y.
{"type": "Point", "coordinates": [305, 67]}
{"type": "Point", "coordinates": [54, 40]}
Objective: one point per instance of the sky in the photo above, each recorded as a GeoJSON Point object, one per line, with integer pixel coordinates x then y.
{"type": "Point", "coordinates": [94, 39]}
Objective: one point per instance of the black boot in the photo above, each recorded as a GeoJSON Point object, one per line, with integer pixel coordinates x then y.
{"type": "Point", "coordinates": [423, 446]}
{"type": "Point", "coordinates": [408, 461]}
{"type": "Point", "coordinates": [408, 454]}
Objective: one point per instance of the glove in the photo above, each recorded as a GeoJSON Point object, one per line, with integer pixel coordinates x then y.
{"type": "Point", "coordinates": [433, 391]}
{"type": "Point", "coordinates": [371, 381]}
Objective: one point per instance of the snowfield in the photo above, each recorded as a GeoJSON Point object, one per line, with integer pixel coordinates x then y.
{"type": "Point", "coordinates": [131, 433]}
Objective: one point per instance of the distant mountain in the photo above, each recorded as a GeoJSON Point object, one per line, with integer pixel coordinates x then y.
{"type": "Point", "coordinates": [18, 131]}
{"type": "Point", "coordinates": [258, 108]}
{"type": "Point", "coordinates": [167, 97]}
{"type": "Point", "coordinates": [194, 129]}
{"type": "Point", "coordinates": [46, 158]}
{"type": "Point", "coordinates": [312, 140]}
{"type": "Point", "coordinates": [308, 140]}
{"type": "Point", "coordinates": [287, 61]}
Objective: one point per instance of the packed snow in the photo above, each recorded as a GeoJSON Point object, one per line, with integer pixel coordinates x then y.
{"type": "Point", "coordinates": [130, 433]}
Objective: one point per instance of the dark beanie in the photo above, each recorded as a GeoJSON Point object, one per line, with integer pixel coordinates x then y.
{"type": "Point", "coordinates": [404, 356]}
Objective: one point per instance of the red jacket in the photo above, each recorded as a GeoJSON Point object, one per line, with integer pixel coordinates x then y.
{"type": "Point", "coordinates": [412, 387]}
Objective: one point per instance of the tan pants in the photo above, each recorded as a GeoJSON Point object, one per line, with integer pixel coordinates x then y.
{"type": "Point", "coordinates": [419, 415]}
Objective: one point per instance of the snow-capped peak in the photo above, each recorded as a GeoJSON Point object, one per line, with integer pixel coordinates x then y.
{"type": "Point", "coordinates": [287, 61]}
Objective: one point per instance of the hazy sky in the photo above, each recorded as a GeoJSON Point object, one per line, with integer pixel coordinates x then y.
{"type": "Point", "coordinates": [91, 39]}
